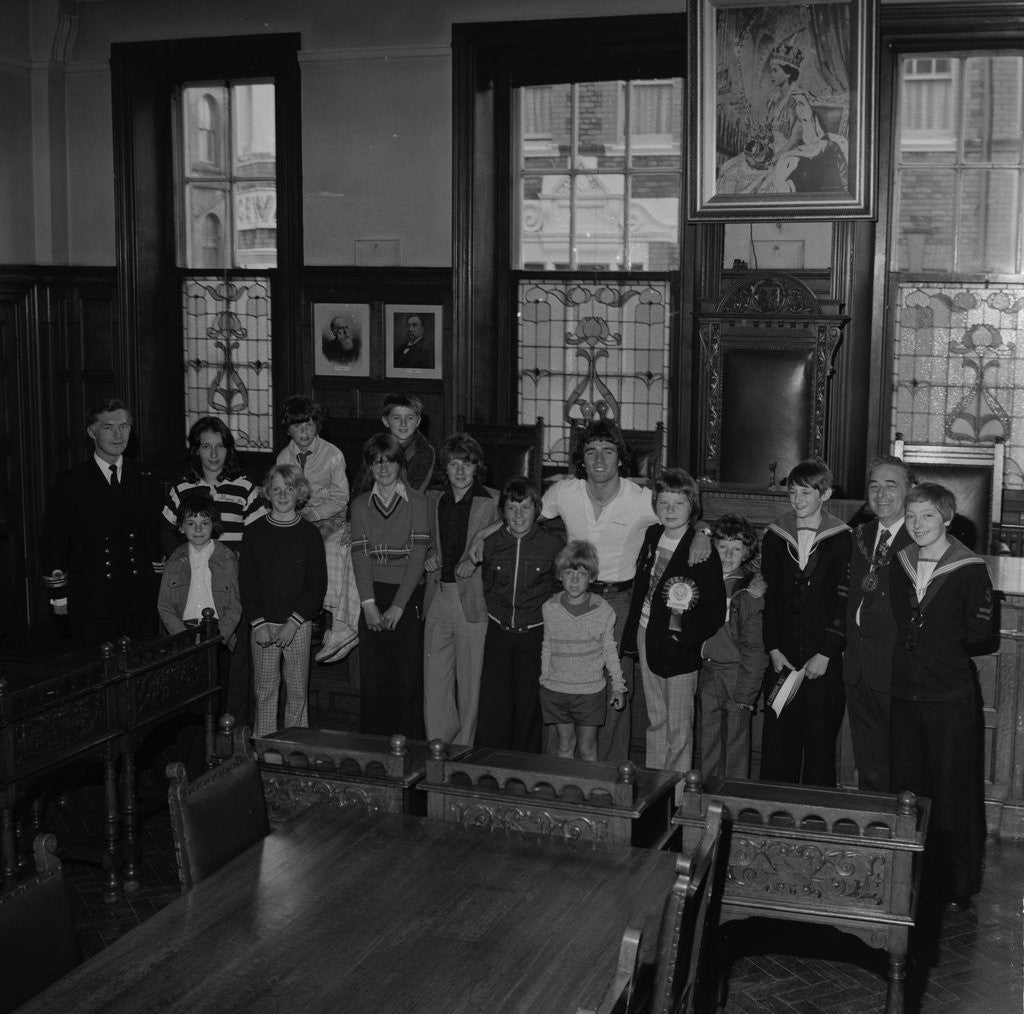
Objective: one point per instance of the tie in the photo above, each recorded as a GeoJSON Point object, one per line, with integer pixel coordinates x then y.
{"type": "Point", "coordinates": [883, 541]}
{"type": "Point", "coordinates": [113, 477]}
{"type": "Point", "coordinates": [302, 456]}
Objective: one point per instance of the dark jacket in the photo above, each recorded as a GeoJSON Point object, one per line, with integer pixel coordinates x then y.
{"type": "Point", "coordinates": [670, 653]}
{"type": "Point", "coordinates": [483, 512]}
{"type": "Point", "coordinates": [105, 540]}
{"type": "Point", "coordinates": [869, 644]}
{"type": "Point", "coordinates": [805, 610]}
{"type": "Point", "coordinates": [735, 652]}
{"type": "Point", "coordinates": [931, 660]}
{"type": "Point", "coordinates": [519, 574]}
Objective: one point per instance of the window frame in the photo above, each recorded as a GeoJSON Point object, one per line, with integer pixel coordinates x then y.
{"type": "Point", "coordinates": [149, 353]}
{"type": "Point", "coordinates": [488, 61]}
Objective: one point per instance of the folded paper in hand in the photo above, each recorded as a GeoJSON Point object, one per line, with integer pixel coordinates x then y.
{"type": "Point", "coordinates": [785, 689]}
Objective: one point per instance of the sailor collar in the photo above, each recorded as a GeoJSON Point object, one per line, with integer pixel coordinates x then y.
{"type": "Point", "coordinates": [785, 529]}
{"type": "Point", "coordinates": [956, 556]}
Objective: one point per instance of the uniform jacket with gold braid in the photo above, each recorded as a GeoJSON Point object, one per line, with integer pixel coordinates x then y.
{"type": "Point", "coordinates": [104, 539]}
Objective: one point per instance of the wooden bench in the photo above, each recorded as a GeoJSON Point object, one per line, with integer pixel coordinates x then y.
{"type": "Point", "coordinates": [579, 800]}
{"type": "Point", "coordinates": [68, 707]}
{"type": "Point", "coordinates": [846, 859]}
{"type": "Point", "coordinates": [301, 767]}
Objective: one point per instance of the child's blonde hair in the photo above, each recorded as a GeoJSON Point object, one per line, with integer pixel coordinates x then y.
{"type": "Point", "coordinates": [578, 555]}
{"type": "Point", "coordinates": [292, 477]}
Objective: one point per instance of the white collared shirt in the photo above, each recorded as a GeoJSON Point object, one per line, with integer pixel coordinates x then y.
{"type": "Point", "coordinates": [104, 467]}
{"type": "Point", "coordinates": [617, 533]}
{"type": "Point", "coordinates": [200, 589]}
{"type": "Point", "coordinates": [399, 488]}
{"type": "Point", "coordinates": [893, 530]}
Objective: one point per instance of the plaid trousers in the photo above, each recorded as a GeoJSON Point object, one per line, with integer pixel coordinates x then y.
{"type": "Point", "coordinates": [269, 665]}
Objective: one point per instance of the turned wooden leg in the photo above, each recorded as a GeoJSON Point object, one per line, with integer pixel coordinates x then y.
{"type": "Point", "coordinates": [897, 983]}
{"type": "Point", "coordinates": [38, 809]}
{"type": "Point", "coordinates": [112, 892]}
{"type": "Point", "coordinates": [211, 734]}
{"type": "Point", "coordinates": [130, 817]}
{"type": "Point", "coordinates": [9, 849]}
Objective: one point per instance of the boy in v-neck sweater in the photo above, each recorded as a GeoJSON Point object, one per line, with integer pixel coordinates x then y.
{"type": "Point", "coordinates": [579, 644]}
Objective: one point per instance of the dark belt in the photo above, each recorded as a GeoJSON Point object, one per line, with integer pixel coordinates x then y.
{"type": "Point", "coordinates": [601, 587]}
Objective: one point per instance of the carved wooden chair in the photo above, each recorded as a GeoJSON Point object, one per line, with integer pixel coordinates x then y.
{"type": "Point", "coordinates": [219, 815]}
{"type": "Point", "coordinates": [37, 937]}
{"type": "Point", "coordinates": [510, 452]}
{"type": "Point", "coordinates": [974, 474]}
{"type": "Point", "coordinates": [683, 922]}
{"type": "Point", "coordinates": [618, 998]}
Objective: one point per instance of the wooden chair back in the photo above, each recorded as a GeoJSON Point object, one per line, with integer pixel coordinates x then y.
{"type": "Point", "coordinates": [219, 815]}
{"type": "Point", "coordinates": [618, 998]}
{"type": "Point", "coordinates": [349, 436]}
{"type": "Point", "coordinates": [683, 922]}
{"type": "Point", "coordinates": [510, 452]}
{"type": "Point", "coordinates": [37, 937]}
{"type": "Point", "coordinates": [974, 474]}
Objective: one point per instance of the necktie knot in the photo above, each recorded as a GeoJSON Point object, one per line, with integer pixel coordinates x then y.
{"type": "Point", "coordinates": [303, 456]}
{"type": "Point", "coordinates": [113, 475]}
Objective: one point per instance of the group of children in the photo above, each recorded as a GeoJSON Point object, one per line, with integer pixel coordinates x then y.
{"type": "Point", "coordinates": [487, 648]}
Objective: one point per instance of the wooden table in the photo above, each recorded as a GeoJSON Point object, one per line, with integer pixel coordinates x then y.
{"type": "Point", "coordinates": [345, 911]}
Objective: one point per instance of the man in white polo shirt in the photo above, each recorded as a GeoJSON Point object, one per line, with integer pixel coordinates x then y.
{"type": "Point", "coordinates": [613, 513]}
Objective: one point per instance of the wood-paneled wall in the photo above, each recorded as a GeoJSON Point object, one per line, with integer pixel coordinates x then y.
{"type": "Point", "coordinates": [58, 330]}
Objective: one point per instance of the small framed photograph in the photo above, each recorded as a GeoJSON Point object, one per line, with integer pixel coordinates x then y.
{"type": "Point", "coordinates": [782, 99]}
{"type": "Point", "coordinates": [414, 341]}
{"type": "Point", "coordinates": [341, 339]}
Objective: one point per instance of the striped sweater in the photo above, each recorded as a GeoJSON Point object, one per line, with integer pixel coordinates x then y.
{"type": "Point", "coordinates": [577, 649]}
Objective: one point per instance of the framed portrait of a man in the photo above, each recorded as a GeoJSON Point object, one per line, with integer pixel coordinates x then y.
{"type": "Point", "coordinates": [782, 109]}
{"type": "Point", "coordinates": [341, 339]}
{"type": "Point", "coordinates": [413, 341]}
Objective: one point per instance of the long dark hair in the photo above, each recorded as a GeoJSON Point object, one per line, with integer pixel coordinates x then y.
{"type": "Point", "coordinates": [211, 424]}
{"type": "Point", "coordinates": [380, 445]}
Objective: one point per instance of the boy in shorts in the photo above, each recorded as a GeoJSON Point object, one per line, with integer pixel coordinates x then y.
{"type": "Point", "coordinates": [579, 644]}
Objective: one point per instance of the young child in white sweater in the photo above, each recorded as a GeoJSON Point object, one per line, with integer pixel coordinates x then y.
{"type": "Point", "coordinates": [579, 645]}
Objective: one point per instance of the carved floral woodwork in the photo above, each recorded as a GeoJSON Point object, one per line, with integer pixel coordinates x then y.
{"type": "Point", "coordinates": [551, 796]}
{"type": "Point", "coordinates": [851, 860]}
{"type": "Point", "coordinates": [766, 320]}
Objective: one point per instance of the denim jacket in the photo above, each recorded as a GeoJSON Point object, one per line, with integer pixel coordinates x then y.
{"type": "Point", "coordinates": [177, 579]}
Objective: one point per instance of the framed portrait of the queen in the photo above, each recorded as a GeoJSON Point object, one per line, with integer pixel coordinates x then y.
{"type": "Point", "coordinates": [782, 109]}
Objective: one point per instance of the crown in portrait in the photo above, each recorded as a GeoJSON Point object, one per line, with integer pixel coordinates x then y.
{"type": "Point", "coordinates": [787, 55]}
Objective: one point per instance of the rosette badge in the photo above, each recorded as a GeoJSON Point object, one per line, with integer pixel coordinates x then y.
{"type": "Point", "coordinates": [681, 596]}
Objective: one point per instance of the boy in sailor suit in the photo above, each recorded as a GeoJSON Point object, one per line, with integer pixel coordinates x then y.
{"type": "Point", "coordinates": [942, 602]}
{"type": "Point", "coordinates": [805, 558]}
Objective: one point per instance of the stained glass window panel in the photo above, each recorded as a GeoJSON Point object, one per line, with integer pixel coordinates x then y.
{"type": "Point", "coordinates": [228, 356]}
{"type": "Point", "coordinates": [592, 350]}
{"type": "Point", "coordinates": [958, 372]}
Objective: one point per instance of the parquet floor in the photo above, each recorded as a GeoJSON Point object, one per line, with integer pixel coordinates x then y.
{"type": "Point", "coordinates": [963, 963]}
